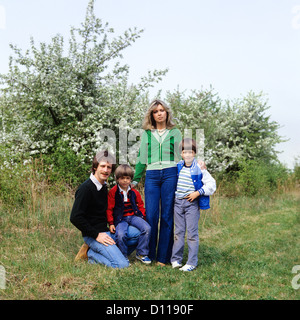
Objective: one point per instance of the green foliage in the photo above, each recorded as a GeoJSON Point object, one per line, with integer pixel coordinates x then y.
{"type": "Point", "coordinates": [50, 98]}
{"type": "Point", "coordinates": [57, 98]}
{"type": "Point", "coordinates": [297, 170]}
{"type": "Point", "coordinates": [258, 177]}
{"type": "Point", "coordinates": [234, 131]}
{"type": "Point", "coordinates": [67, 165]}
{"type": "Point", "coordinates": [248, 254]}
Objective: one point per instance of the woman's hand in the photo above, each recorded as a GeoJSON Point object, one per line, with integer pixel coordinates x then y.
{"type": "Point", "coordinates": [105, 239]}
{"type": "Point", "coordinates": [202, 165]}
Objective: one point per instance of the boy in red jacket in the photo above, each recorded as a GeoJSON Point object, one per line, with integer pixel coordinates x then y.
{"type": "Point", "coordinates": [126, 207]}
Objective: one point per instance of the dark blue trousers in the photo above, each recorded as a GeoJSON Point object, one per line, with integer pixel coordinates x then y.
{"type": "Point", "coordinates": [142, 247]}
{"type": "Point", "coordinates": [160, 186]}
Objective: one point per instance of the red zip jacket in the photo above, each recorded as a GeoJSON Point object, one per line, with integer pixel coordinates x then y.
{"type": "Point", "coordinates": [115, 208]}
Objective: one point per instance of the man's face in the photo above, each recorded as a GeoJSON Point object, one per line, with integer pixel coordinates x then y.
{"type": "Point", "coordinates": [103, 171]}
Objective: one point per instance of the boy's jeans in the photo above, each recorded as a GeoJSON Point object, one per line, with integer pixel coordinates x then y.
{"type": "Point", "coordinates": [122, 231]}
{"type": "Point", "coordinates": [110, 255]}
{"type": "Point", "coordinates": [160, 186]}
{"type": "Point", "coordinates": [186, 216]}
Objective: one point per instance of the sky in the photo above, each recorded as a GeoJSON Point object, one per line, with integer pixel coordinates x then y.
{"type": "Point", "coordinates": [234, 46]}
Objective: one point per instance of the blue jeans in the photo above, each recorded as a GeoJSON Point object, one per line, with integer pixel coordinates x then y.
{"type": "Point", "coordinates": [143, 241]}
{"type": "Point", "coordinates": [160, 186]}
{"type": "Point", "coordinates": [186, 218]}
{"type": "Point", "coordinates": [110, 255]}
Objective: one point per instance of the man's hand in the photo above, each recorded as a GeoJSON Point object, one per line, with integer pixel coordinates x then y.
{"type": "Point", "coordinates": [112, 228]}
{"type": "Point", "coordinates": [105, 239]}
{"type": "Point", "coordinates": [192, 196]}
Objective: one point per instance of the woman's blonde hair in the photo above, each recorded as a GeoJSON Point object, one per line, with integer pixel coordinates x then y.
{"type": "Point", "coordinates": [149, 122]}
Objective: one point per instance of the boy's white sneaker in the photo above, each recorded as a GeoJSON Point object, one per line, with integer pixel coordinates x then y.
{"type": "Point", "coordinates": [176, 264]}
{"type": "Point", "coordinates": [187, 267]}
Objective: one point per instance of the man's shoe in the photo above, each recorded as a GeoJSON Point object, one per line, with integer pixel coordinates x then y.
{"type": "Point", "coordinates": [144, 259]}
{"type": "Point", "coordinates": [187, 267]}
{"type": "Point", "coordinates": [82, 254]}
{"type": "Point", "coordinates": [176, 264]}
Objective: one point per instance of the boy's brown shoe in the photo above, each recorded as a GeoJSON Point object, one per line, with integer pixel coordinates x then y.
{"type": "Point", "coordinates": [82, 254]}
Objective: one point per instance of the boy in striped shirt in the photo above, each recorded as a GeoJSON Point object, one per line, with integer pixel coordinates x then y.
{"type": "Point", "coordinates": [194, 186]}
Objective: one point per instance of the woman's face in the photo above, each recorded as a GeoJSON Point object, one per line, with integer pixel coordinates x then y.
{"type": "Point", "coordinates": [160, 114]}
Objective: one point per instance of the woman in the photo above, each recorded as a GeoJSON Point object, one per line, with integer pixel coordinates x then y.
{"type": "Point", "coordinates": [159, 153]}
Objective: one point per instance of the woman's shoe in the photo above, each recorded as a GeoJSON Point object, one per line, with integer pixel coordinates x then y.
{"type": "Point", "coordinates": [160, 264]}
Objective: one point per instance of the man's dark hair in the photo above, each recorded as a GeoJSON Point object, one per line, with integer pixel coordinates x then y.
{"type": "Point", "coordinates": [103, 156]}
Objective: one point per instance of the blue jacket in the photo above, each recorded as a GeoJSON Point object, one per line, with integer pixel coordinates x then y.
{"type": "Point", "coordinates": [196, 176]}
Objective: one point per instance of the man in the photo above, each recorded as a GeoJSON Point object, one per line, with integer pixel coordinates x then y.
{"type": "Point", "coordinates": [89, 216]}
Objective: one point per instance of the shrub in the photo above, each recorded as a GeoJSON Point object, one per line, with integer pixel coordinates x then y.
{"type": "Point", "coordinates": [258, 177]}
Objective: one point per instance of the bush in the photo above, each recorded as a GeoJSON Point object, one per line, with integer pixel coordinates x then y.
{"type": "Point", "coordinates": [297, 170]}
{"type": "Point", "coordinates": [258, 177]}
{"type": "Point", "coordinates": [67, 165]}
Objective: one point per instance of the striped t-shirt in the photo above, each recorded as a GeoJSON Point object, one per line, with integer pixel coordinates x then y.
{"type": "Point", "coordinates": [128, 210]}
{"type": "Point", "coordinates": [185, 184]}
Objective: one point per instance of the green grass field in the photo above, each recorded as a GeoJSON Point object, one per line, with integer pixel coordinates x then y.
{"type": "Point", "coordinates": [248, 247]}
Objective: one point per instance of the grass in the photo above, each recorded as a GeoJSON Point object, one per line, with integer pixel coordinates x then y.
{"type": "Point", "coordinates": [248, 247]}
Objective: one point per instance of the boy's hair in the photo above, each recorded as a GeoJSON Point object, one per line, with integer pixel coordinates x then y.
{"type": "Point", "coordinates": [103, 156]}
{"type": "Point", "coordinates": [188, 144]}
{"type": "Point", "coordinates": [124, 170]}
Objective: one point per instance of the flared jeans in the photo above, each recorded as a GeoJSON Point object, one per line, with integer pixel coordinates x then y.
{"type": "Point", "coordinates": [160, 186]}
{"type": "Point", "coordinates": [110, 255]}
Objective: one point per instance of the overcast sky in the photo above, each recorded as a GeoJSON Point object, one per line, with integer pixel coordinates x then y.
{"type": "Point", "coordinates": [235, 46]}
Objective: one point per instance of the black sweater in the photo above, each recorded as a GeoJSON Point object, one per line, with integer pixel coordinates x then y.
{"type": "Point", "coordinates": [89, 209]}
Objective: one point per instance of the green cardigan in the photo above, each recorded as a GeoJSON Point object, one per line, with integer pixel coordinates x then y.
{"type": "Point", "coordinates": [157, 152]}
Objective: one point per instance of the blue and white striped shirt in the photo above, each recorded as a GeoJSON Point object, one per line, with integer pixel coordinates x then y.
{"type": "Point", "coordinates": [185, 183]}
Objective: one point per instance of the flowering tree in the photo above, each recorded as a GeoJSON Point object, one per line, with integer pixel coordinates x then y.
{"type": "Point", "coordinates": [234, 131]}
{"type": "Point", "coordinates": [53, 103]}
{"type": "Point", "coordinates": [56, 103]}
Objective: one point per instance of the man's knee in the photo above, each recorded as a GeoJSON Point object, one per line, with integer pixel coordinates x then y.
{"type": "Point", "coordinates": [123, 264]}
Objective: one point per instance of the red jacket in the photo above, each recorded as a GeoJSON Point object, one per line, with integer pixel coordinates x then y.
{"type": "Point", "coordinates": [115, 209]}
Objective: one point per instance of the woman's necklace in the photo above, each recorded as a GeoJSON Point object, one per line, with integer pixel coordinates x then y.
{"type": "Point", "coordinates": [161, 131]}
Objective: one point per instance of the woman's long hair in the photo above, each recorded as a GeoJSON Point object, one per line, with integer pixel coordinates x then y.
{"type": "Point", "coordinates": [149, 122]}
